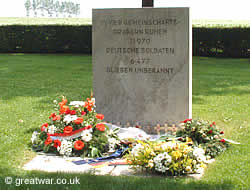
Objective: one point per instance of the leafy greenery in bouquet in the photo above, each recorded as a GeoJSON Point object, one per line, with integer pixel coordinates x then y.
{"type": "Point", "coordinates": [168, 158]}
{"type": "Point", "coordinates": [205, 134]}
{"type": "Point", "coordinates": [75, 130]}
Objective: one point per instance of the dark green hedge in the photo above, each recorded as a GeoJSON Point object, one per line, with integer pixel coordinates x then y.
{"type": "Point", "coordinates": [225, 42]}
{"type": "Point", "coordinates": [45, 39]}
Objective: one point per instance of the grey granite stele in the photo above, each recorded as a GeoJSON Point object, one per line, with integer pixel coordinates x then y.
{"type": "Point", "coordinates": [142, 65]}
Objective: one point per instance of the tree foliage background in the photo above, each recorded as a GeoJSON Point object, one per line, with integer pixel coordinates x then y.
{"type": "Point", "coordinates": [51, 8]}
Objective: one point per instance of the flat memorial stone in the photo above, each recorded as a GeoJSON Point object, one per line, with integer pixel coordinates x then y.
{"type": "Point", "coordinates": [142, 65]}
{"type": "Point", "coordinates": [52, 163]}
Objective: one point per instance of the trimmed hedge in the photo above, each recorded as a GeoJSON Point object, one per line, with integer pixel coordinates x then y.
{"type": "Point", "coordinates": [45, 39]}
{"type": "Point", "coordinates": [225, 42]}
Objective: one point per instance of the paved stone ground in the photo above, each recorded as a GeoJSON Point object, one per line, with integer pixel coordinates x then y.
{"type": "Point", "coordinates": [52, 163]}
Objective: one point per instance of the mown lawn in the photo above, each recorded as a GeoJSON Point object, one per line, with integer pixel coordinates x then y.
{"type": "Point", "coordinates": [43, 21]}
{"type": "Point", "coordinates": [29, 84]}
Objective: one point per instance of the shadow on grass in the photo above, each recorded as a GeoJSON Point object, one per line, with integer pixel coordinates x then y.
{"type": "Point", "coordinates": [153, 183]}
{"type": "Point", "coordinates": [220, 77]}
{"type": "Point", "coordinates": [87, 181]}
{"type": "Point", "coordinates": [31, 130]}
{"type": "Point", "coordinates": [197, 100]}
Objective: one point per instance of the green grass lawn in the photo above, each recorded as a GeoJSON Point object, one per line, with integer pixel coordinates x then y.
{"type": "Point", "coordinates": [29, 83]}
{"type": "Point", "coordinates": [44, 21]}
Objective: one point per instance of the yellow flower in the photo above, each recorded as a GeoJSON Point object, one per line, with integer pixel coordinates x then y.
{"type": "Point", "coordinates": [189, 140]}
{"type": "Point", "coordinates": [176, 154]}
{"type": "Point", "coordinates": [189, 161]}
{"type": "Point", "coordinates": [150, 163]}
{"type": "Point", "coordinates": [203, 165]}
{"type": "Point", "coordinates": [141, 142]}
{"type": "Point", "coordinates": [182, 145]}
{"type": "Point", "coordinates": [187, 149]}
{"type": "Point", "coordinates": [148, 151]}
{"type": "Point", "coordinates": [175, 166]}
{"type": "Point", "coordinates": [152, 153]}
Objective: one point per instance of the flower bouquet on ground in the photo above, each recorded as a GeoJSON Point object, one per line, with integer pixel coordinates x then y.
{"type": "Point", "coordinates": [204, 134]}
{"type": "Point", "coordinates": [168, 158]}
{"type": "Point", "coordinates": [188, 152]}
{"type": "Point", "coordinates": [76, 130]}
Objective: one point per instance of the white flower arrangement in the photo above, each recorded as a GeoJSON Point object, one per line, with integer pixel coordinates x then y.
{"type": "Point", "coordinates": [199, 153]}
{"type": "Point", "coordinates": [162, 161]}
{"type": "Point", "coordinates": [69, 118]}
{"type": "Point", "coordinates": [52, 129]}
{"type": "Point", "coordinates": [77, 104]}
{"type": "Point", "coordinates": [86, 135]}
{"type": "Point", "coordinates": [135, 151]}
{"type": "Point", "coordinates": [34, 136]}
{"type": "Point", "coordinates": [112, 144]}
{"type": "Point", "coordinates": [168, 145]}
{"type": "Point", "coordinates": [188, 169]}
{"type": "Point", "coordinates": [66, 148]}
{"type": "Point", "coordinates": [199, 169]}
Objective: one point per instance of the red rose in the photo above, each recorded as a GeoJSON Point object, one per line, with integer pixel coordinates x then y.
{"type": "Point", "coordinates": [56, 118]}
{"type": "Point", "coordinates": [72, 112]}
{"type": "Point", "coordinates": [48, 141]}
{"type": "Point", "coordinates": [222, 140]}
{"type": "Point", "coordinates": [52, 115]}
{"type": "Point", "coordinates": [210, 132]}
{"type": "Point", "coordinates": [57, 143]}
{"type": "Point", "coordinates": [78, 145]}
{"type": "Point", "coordinates": [44, 126]}
{"type": "Point", "coordinates": [67, 129]}
{"type": "Point", "coordinates": [100, 126]}
{"type": "Point", "coordinates": [186, 120]}
{"type": "Point", "coordinates": [99, 116]}
{"type": "Point", "coordinates": [78, 121]}
{"type": "Point", "coordinates": [67, 111]}
{"type": "Point", "coordinates": [83, 113]}
{"type": "Point", "coordinates": [214, 123]}
{"type": "Point", "coordinates": [222, 132]}
{"type": "Point", "coordinates": [89, 127]}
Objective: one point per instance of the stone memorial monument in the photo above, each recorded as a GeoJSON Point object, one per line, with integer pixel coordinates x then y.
{"type": "Point", "coordinates": [142, 65]}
